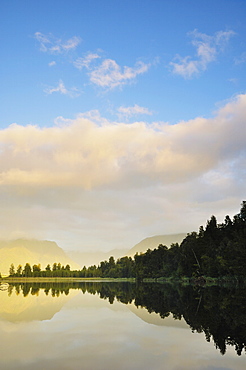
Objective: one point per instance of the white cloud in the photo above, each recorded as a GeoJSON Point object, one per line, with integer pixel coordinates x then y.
{"type": "Point", "coordinates": [60, 88]}
{"type": "Point", "coordinates": [90, 154]}
{"type": "Point", "coordinates": [71, 43]}
{"type": "Point", "coordinates": [51, 64]}
{"type": "Point", "coordinates": [86, 61]}
{"type": "Point", "coordinates": [107, 75]}
{"type": "Point", "coordinates": [110, 75]}
{"type": "Point", "coordinates": [131, 111]}
{"type": "Point", "coordinates": [48, 43]}
{"type": "Point", "coordinates": [234, 81]}
{"type": "Point", "coordinates": [43, 40]}
{"type": "Point", "coordinates": [241, 59]}
{"type": "Point", "coordinates": [207, 49]}
{"type": "Point", "coordinates": [110, 184]}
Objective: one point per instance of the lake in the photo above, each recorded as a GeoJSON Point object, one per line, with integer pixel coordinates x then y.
{"type": "Point", "coordinates": [109, 325]}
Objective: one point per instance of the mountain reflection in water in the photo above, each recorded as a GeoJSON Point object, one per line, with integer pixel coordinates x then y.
{"type": "Point", "coordinates": [218, 312]}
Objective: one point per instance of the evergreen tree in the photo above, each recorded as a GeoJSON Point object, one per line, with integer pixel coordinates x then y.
{"type": "Point", "coordinates": [19, 271]}
{"type": "Point", "coordinates": [12, 270]}
{"type": "Point", "coordinates": [27, 271]}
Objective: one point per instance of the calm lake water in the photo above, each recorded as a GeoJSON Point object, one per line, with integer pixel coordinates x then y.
{"type": "Point", "coordinates": [93, 325]}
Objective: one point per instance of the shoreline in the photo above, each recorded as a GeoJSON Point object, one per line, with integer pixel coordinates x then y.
{"type": "Point", "coordinates": [204, 282]}
{"type": "Point", "coordinates": [63, 279]}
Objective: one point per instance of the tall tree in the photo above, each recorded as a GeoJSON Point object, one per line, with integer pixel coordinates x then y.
{"type": "Point", "coordinates": [19, 270]}
{"type": "Point", "coordinates": [27, 271]}
{"type": "Point", "coordinates": [11, 270]}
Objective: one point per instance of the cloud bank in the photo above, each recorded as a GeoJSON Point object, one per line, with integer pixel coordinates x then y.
{"type": "Point", "coordinates": [89, 176]}
{"type": "Point", "coordinates": [89, 154]}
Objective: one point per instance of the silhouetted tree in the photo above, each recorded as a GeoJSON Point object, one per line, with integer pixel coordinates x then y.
{"type": "Point", "coordinates": [12, 270]}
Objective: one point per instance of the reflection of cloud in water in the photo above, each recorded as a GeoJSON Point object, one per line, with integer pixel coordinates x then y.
{"type": "Point", "coordinates": [90, 333]}
{"type": "Point", "coordinates": [41, 307]}
{"type": "Point", "coordinates": [155, 319]}
{"type": "Point", "coordinates": [16, 308]}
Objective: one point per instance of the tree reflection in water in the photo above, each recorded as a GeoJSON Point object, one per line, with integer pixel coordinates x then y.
{"type": "Point", "coordinates": [219, 312]}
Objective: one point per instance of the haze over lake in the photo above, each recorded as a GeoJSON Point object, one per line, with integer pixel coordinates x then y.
{"type": "Point", "coordinates": [100, 326]}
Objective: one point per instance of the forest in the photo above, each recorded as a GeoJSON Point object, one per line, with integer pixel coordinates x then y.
{"type": "Point", "coordinates": [216, 251]}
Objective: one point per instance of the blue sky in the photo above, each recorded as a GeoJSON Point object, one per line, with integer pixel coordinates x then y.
{"type": "Point", "coordinates": [116, 115]}
{"type": "Point", "coordinates": [131, 34]}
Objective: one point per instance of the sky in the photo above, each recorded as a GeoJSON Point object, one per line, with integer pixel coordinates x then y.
{"type": "Point", "coordinates": [120, 120]}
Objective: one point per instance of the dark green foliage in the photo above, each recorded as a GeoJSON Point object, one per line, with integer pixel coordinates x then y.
{"type": "Point", "coordinates": [19, 271]}
{"type": "Point", "coordinates": [27, 271]}
{"type": "Point", "coordinates": [217, 251]}
{"type": "Point", "coordinates": [35, 271]}
{"type": "Point", "coordinates": [12, 270]}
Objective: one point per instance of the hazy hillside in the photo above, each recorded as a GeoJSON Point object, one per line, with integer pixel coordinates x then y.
{"type": "Point", "coordinates": [94, 258]}
{"type": "Point", "coordinates": [46, 252]}
{"type": "Point", "coordinates": [154, 241]}
{"type": "Point", "coordinates": [22, 251]}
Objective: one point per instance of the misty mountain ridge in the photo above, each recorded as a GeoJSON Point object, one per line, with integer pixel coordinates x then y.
{"type": "Point", "coordinates": [153, 242]}
{"type": "Point", "coordinates": [87, 258]}
{"type": "Point", "coordinates": [32, 251]}
{"type": "Point", "coordinates": [44, 252]}
{"type": "Point", "coordinates": [94, 258]}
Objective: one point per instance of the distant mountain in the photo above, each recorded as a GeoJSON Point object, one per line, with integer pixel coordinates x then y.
{"type": "Point", "coordinates": [94, 258]}
{"type": "Point", "coordinates": [45, 252]}
{"type": "Point", "coordinates": [21, 251]}
{"type": "Point", "coordinates": [153, 242]}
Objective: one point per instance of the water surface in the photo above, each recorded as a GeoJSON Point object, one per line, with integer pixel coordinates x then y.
{"type": "Point", "coordinates": [94, 326]}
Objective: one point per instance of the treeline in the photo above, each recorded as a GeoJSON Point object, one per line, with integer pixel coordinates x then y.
{"type": "Point", "coordinates": [57, 270]}
{"type": "Point", "coordinates": [218, 250]}
{"type": "Point", "coordinates": [123, 268]}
